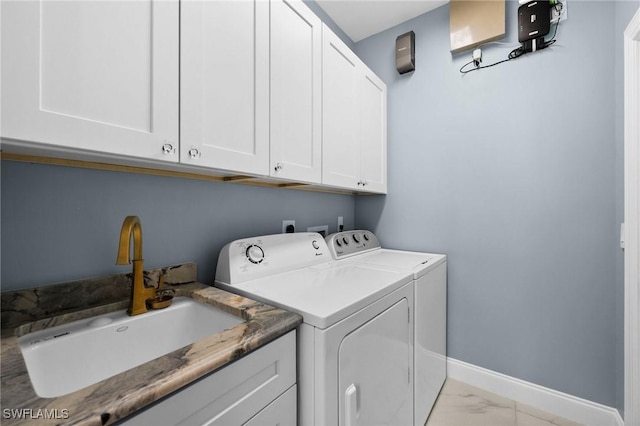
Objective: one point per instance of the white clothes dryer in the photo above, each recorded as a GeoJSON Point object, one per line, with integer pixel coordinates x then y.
{"type": "Point", "coordinates": [429, 272]}
{"type": "Point", "coordinates": [355, 346]}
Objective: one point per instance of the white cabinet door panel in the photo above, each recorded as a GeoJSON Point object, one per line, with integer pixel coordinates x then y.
{"type": "Point", "coordinates": [225, 85]}
{"type": "Point", "coordinates": [373, 133]}
{"type": "Point", "coordinates": [296, 54]}
{"type": "Point", "coordinates": [92, 75]}
{"type": "Point", "coordinates": [340, 156]}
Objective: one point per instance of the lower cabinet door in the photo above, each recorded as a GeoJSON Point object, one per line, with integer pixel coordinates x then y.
{"type": "Point", "coordinates": [281, 412]}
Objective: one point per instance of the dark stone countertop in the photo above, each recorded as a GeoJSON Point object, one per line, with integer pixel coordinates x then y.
{"type": "Point", "coordinates": [115, 398]}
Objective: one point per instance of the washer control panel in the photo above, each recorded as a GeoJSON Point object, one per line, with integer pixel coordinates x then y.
{"type": "Point", "coordinates": [349, 243]}
{"type": "Point", "coordinates": [259, 257]}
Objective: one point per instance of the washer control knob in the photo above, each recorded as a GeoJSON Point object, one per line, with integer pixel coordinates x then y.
{"type": "Point", "coordinates": [255, 254]}
{"type": "Point", "coordinates": [356, 238]}
{"type": "Point", "coordinates": [345, 240]}
{"type": "Point", "coordinates": [338, 242]}
{"type": "Point", "coordinates": [366, 237]}
{"type": "Point", "coordinates": [315, 244]}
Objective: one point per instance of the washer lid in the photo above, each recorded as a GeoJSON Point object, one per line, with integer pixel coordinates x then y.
{"type": "Point", "coordinates": [418, 263]}
{"type": "Point", "coordinates": [323, 294]}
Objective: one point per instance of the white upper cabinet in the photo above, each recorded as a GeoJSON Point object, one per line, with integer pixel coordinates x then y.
{"type": "Point", "coordinates": [251, 87]}
{"type": "Point", "coordinates": [354, 130]}
{"type": "Point", "coordinates": [340, 151]}
{"type": "Point", "coordinates": [373, 133]}
{"type": "Point", "coordinates": [224, 85]}
{"type": "Point", "coordinates": [296, 80]}
{"type": "Point", "coordinates": [100, 76]}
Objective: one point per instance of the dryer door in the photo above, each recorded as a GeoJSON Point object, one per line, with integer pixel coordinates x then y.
{"type": "Point", "coordinates": [376, 370]}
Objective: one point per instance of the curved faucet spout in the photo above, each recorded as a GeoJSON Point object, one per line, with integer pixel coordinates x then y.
{"type": "Point", "coordinates": [139, 293]}
{"type": "Point", "coordinates": [131, 225]}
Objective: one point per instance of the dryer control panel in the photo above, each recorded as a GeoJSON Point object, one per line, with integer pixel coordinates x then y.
{"type": "Point", "coordinates": [349, 243]}
{"type": "Point", "coordinates": [259, 257]}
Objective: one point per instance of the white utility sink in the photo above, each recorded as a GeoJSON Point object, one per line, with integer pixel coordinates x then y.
{"type": "Point", "coordinates": [69, 357]}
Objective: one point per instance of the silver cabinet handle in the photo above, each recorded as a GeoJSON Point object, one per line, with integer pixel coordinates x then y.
{"type": "Point", "coordinates": [168, 148]}
{"type": "Point", "coordinates": [194, 153]}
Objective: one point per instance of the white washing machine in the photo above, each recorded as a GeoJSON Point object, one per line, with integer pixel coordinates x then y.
{"type": "Point", "coordinates": [429, 272]}
{"type": "Point", "coordinates": [355, 346]}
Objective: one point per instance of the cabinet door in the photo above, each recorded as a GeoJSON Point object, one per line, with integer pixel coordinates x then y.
{"type": "Point", "coordinates": [373, 133]}
{"type": "Point", "coordinates": [224, 85]}
{"type": "Point", "coordinates": [340, 151]}
{"type": "Point", "coordinates": [92, 75]}
{"type": "Point", "coordinates": [296, 54]}
{"type": "Point", "coordinates": [281, 412]}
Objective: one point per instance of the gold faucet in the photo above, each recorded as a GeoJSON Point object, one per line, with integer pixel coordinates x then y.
{"type": "Point", "coordinates": [139, 293]}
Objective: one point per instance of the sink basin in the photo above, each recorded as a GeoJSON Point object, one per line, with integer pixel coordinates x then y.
{"type": "Point", "coordinates": [69, 357]}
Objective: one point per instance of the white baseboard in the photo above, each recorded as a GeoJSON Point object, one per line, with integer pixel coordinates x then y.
{"type": "Point", "coordinates": [571, 407]}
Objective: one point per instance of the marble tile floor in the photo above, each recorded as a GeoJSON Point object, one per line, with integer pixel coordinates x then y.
{"type": "Point", "coordinates": [460, 404]}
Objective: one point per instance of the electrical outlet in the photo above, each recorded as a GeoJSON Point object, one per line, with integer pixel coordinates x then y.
{"type": "Point", "coordinates": [322, 230]}
{"type": "Point", "coordinates": [340, 224]}
{"type": "Point", "coordinates": [555, 14]}
{"type": "Point", "coordinates": [288, 223]}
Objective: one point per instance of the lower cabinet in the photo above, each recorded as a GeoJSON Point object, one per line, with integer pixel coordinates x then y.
{"type": "Point", "coordinates": [258, 389]}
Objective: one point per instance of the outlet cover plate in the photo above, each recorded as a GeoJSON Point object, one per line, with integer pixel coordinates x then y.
{"type": "Point", "coordinates": [286, 223]}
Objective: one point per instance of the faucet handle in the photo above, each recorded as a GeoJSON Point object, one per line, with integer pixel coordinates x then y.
{"type": "Point", "coordinates": [163, 298]}
{"type": "Point", "coordinates": [163, 291]}
{"type": "Point", "coordinates": [160, 282]}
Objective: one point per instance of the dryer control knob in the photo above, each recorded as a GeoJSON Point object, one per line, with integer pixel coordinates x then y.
{"type": "Point", "coordinates": [355, 238]}
{"type": "Point", "coordinates": [366, 237]}
{"type": "Point", "coordinates": [315, 244]}
{"type": "Point", "coordinates": [345, 241]}
{"type": "Point", "coordinates": [255, 254]}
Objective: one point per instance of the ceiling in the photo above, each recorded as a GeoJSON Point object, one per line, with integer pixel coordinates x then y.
{"type": "Point", "coordinates": [360, 19]}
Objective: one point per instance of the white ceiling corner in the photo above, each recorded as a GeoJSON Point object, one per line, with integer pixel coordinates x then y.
{"type": "Point", "coordinates": [360, 19]}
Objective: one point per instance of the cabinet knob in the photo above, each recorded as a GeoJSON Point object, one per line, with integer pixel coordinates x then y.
{"type": "Point", "coordinates": [278, 167]}
{"type": "Point", "coordinates": [194, 153]}
{"type": "Point", "coordinates": [168, 148]}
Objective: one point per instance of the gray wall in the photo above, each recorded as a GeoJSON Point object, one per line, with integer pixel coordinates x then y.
{"type": "Point", "coordinates": [61, 224]}
{"type": "Point", "coordinates": [514, 172]}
